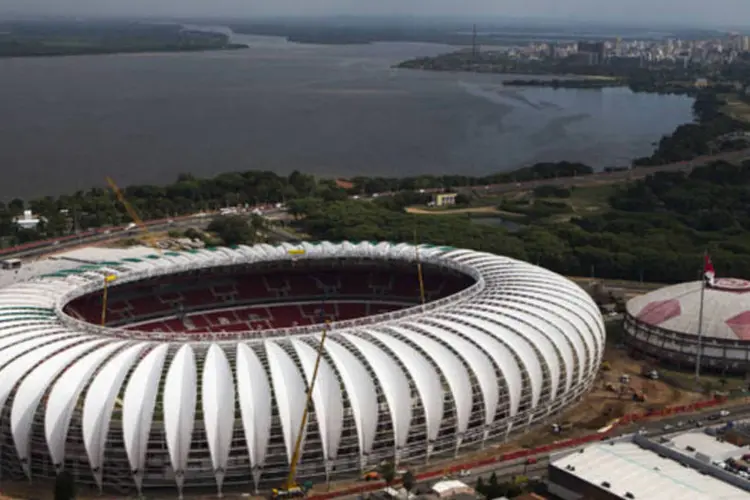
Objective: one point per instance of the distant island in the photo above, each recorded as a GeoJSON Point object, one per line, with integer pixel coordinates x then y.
{"type": "Point", "coordinates": [36, 39]}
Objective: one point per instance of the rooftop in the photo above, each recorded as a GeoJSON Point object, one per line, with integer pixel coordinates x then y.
{"type": "Point", "coordinates": [99, 254]}
{"type": "Point", "coordinates": [705, 445]}
{"type": "Point", "coordinates": [629, 468]}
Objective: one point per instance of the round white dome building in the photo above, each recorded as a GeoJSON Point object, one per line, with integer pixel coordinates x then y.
{"type": "Point", "coordinates": [172, 392]}
{"type": "Point", "coordinates": [665, 323]}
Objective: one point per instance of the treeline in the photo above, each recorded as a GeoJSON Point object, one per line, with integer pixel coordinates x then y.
{"type": "Point", "coordinates": [97, 207]}
{"type": "Point", "coordinates": [67, 38]}
{"type": "Point", "coordinates": [539, 171]}
{"type": "Point", "coordinates": [657, 229]}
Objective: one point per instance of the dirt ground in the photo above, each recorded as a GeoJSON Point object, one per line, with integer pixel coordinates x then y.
{"type": "Point", "coordinates": [456, 211]}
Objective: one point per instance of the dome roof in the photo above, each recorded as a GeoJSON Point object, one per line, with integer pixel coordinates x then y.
{"type": "Point", "coordinates": [521, 337]}
{"type": "Point", "coordinates": [726, 308]}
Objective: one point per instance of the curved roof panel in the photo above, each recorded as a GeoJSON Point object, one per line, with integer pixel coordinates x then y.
{"type": "Point", "coordinates": [218, 407]}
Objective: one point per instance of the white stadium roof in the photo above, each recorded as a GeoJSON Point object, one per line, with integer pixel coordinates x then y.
{"type": "Point", "coordinates": [542, 333]}
{"type": "Point", "coordinates": [629, 468]}
{"type": "Point", "coordinates": [726, 308]}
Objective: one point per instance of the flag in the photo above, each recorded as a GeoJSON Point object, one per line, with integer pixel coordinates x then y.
{"type": "Point", "coordinates": [708, 270]}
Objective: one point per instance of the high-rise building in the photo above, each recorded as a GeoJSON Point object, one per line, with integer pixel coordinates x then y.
{"type": "Point", "coordinates": [595, 50]}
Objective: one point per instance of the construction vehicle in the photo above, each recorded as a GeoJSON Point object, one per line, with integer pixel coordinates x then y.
{"type": "Point", "coordinates": [291, 488]}
{"type": "Point", "coordinates": [137, 222]}
{"type": "Point", "coordinates": [373, 475]}
{"type": "Point", "coordinates": [558, 428]}
{"type": "Point", "coordinates": [639, 397]}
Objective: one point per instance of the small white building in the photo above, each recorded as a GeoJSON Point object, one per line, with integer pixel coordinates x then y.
{"type": "Point", "coordinates": [27, 220]}
{"type": "Point", "coordinates": [452, 487]}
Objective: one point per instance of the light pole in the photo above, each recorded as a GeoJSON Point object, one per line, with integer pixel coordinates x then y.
{"type": "Point", "coordinates": [107, 280]}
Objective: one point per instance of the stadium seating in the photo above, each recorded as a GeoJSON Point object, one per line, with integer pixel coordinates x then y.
{"type": "Point", "coordinates": [251, 302]}
{"type": "Point", "coordinates": [265, 317]}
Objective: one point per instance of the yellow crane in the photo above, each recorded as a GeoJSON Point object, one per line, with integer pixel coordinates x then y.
{"type": "Point", "coordinates": [419, 268]}
{"type": "Point", "coordinates": [132, 213]}
{"type": "Point", "coordinates": [137, 220]}
{"type": "Point", "coordinates": [290, 488]}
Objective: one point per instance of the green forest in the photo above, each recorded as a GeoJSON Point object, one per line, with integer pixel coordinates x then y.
{"type": "Point", "coordinates": [654, 230]}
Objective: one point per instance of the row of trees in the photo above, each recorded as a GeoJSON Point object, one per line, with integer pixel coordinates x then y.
{"type": "Point", "coordinates": [98, 207]}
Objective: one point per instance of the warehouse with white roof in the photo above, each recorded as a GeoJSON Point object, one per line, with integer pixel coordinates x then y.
{"type": "Point", "coordinates": [634, 467]}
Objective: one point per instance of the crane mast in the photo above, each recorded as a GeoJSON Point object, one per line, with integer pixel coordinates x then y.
{"type": "Point", "coordinates": [291, 481]}
{"type": "Point", "coordinates": [131, 212]}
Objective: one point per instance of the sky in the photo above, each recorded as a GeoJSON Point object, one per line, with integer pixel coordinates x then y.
{"type": "Point", "coordinates": [679, 12]}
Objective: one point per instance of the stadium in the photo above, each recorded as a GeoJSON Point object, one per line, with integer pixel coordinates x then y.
{"type": "Point", "coordinates": [665, 323]}
{"type": "Point", "coordinates": [199, 377]}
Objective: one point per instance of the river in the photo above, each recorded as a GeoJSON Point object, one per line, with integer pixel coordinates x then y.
{"type": "Point", "coordinates": [66, 123]}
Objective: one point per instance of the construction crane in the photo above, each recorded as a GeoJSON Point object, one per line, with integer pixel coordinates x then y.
{"type": "Point", "coordinates": [291, 488]}
{"type": "Point", "coordinates": [419, 268]}
{"type": "Point", "coordinates": [132, 213]}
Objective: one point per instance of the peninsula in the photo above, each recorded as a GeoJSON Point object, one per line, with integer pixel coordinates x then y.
{"type": "Point", "coordinates": [68, 38]}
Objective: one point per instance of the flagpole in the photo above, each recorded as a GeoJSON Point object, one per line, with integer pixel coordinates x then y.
{"type": "Point", "coordinates": [699, 346]}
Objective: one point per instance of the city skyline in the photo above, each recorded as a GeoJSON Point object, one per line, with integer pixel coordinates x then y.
{"type": "Point", "coordinates": [720, 13]}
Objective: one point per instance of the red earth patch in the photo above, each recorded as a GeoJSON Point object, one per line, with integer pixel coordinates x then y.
{"type": "Point", "coordinates": [657, 312]}
{"type": "Point", "coordinates": [740, 325]}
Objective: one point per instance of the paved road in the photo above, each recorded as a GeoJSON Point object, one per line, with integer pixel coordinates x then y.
{"type": "Point", "coordinates": [102, 236]}
{"type": "Point", "coordinates": [609, 177]}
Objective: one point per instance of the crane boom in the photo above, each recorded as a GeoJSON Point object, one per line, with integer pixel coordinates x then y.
{"type": "Point", "coordinates": [131, 211]}
{"type": "Point", "coordinates": [291, 479]}
{"type": "Point", "coordinates": [420, 276]}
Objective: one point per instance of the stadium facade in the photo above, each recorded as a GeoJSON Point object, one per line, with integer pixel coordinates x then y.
{"type": "Point", "coordinates": [665, 323]}
{"type": "Point", "coordinates": [200, 374]}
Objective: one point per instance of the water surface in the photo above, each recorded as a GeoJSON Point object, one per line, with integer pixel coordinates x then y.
{"type": "Point", "coordinates": [329, 110]}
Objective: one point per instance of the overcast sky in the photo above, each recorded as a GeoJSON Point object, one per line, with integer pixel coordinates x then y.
{"type": "Point", "coordinates": [715, 12]}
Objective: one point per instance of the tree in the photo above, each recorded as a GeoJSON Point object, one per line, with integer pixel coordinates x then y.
{"type": "Point", "coordinates": [480, 487]}
{"type": "Point", "coordinates": [232, 229]}
{"type": "Point", "coordinates": [462, 199]}
{"type": "Point", "coordinates": [388, 472]}
{"type": "Point", "coordinates": [65, 488]}
{"type": "Point", "coordinates": [493, 481]}
{"type": "Point", "coordinates": [408, 480]}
